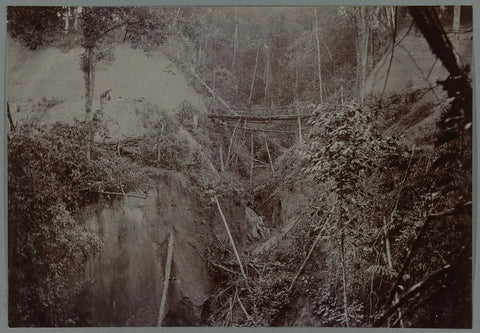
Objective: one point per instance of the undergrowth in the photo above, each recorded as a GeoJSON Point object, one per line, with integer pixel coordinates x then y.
{"type": "Point", "coordinates": [368, 199]}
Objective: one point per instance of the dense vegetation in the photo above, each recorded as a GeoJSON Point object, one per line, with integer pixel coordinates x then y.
{"type": "Point", "coordinates": [382, 235]}
{"type": "Point", "coordinates": [371, 207]}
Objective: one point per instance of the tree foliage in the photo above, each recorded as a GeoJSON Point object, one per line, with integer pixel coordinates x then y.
{"type": "Point", "coordinates": [34, 26]}
{"type": "Point", "coordinates": [49, 181]}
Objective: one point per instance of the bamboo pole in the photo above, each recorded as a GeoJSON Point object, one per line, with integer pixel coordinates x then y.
{"type": "Point", "coordinates": [231, 240]}
{"type": "Point", "coordinates": [222, 165]}
{"type": "Point", "coordinates": [168, 265]}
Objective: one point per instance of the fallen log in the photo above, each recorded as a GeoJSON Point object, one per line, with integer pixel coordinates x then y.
{"type": "Point", "coordinates": [256, 129]}
{"type": "Point", "coordinates": [259, 118]}
{"type": "Point", "coordinates": [168, 266]}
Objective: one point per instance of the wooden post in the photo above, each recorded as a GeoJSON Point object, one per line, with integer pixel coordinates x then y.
{"type": "Point", "coordinates": [168, 265]}
{"type": "Point", "coordinates": [268, 152]}
{"type": "Point", "coordinates": [231, 240]}
{"type": "Point", "coordinates": [300, 138]}
{"type": "Point", "coordinates": [251, 156]}
{"type": "Point", "coordinates": [231, 142]}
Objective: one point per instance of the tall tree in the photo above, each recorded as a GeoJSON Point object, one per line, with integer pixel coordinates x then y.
{"type": "Point", "coordinates": [362, 53]}
{"type": "Point", "coordinates": [235, 38]}
{"type": "Point", "coordinates": [456, 25]}
{"type": "Point", "coordinates": [267, 72]}
{"type": "Point", "coordinates": [319, 68]}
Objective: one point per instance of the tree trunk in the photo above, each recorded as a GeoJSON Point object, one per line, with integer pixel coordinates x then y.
{"type": "Point", "coordinates": [235, 39]}
{"type": "Point", "coordinates": [67, 19]}
{"type": "Point", "coordinates": [319, 69]}
{"type": "Point", "coordinates": [267, 73]}
{"type": "Point", "coordinates": [174, 24]}
{"type": "Point", "coordinates": [126, 33]}
{"type": "Point", "coordinates": [253, 79]}
{"type": "Point", "coordinates": [89, 89]}
{"type": "Point", "coordinates": [89, 84]}
{"type": "Point", "coordinates": [75, 21]}
{"type": "Point", "coordinates": [456, 27]}
{"type": "Point", "coordinates": [296, 83]}
{"type": "Point", "coordinates": [362, 54]}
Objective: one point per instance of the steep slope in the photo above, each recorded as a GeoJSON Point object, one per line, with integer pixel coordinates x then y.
{"type": "Point", "coordinates": [414, 65]}
{"type": "Point", "coordinates": [415, 68]}
{"type": "Point", "coordinates": [125, 280]}
{"type": "Point", "coordinates": [55, 76]}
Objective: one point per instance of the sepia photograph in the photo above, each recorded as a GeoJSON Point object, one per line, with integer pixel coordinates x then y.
{"type": "Point", "coordinates": [239, 166]}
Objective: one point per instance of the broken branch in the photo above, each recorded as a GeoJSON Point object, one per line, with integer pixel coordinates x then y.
{"type": "Point", "coordinates": [416, 242]}
{"type": "Point", "coordinates": [231, 240]}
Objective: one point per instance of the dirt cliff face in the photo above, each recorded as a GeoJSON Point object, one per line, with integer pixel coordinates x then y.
{"type": "Point", "coordinates": [126, 278]}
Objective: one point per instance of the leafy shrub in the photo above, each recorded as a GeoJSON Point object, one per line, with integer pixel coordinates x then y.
{"type": "Point", "coordinates": [34, 26]}
{"type": "Point", "coordinates": [185, 113]}
{"type": "Point", "coordinates": [50, 179]}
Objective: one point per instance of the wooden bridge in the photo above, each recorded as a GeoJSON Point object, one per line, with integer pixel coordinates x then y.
{"type": "Point", "coordinates": [262, 117]}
